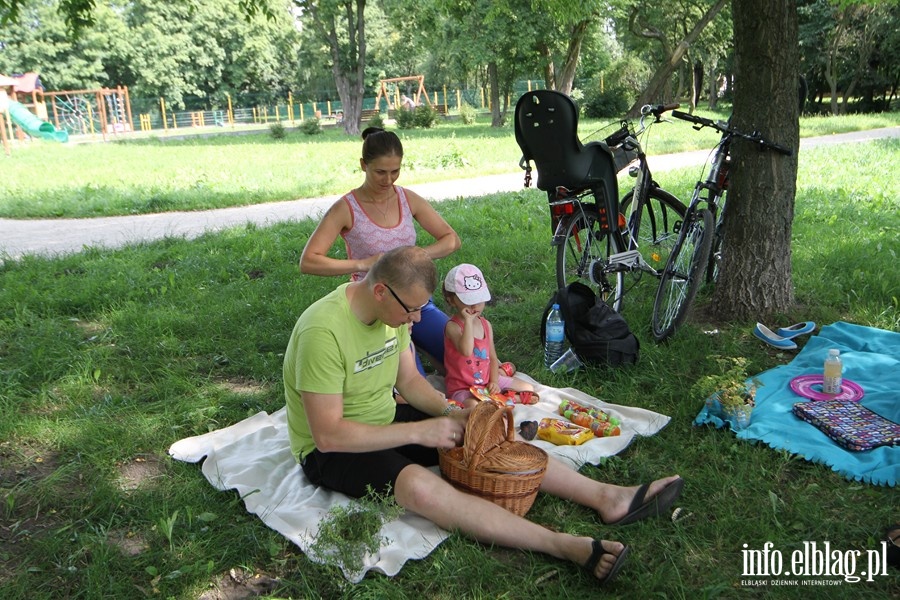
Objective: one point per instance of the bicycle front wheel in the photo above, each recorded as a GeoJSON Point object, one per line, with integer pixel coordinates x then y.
{"type": "Point", "coordinates": [684, 271]}
{"type": "Point", "coordinates": [718, 243]}
{"type": "Point", "coordinates": [651, 230]}
{"type": "Point", "coordinates": [583, 252]}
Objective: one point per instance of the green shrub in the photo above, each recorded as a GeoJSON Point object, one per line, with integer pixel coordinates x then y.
{"type": "Point", "coordinates": [613, 102]}
{"type": "Point", "coordinates": [467, 113]}
{"type": "Point", "coordinates": [425, 116]}
{"type": "Point", "coordinates": [406, 119]}
{"type": "Point", "coordinates": [376, 121]}
{"type": "Point", "coordinates": [311, 126]}
{"type": "Point", "coordinates": [277, 131]}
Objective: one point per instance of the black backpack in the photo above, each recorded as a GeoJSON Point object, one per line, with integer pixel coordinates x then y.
{"type": "Point", "coordinates": [597, 333]}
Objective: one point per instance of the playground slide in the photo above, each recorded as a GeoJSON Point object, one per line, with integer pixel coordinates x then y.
{"type": "Point", "coordinates": [33, 126]}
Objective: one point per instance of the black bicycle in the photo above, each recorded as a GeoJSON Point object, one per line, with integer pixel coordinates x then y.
{"type": "Point", "coordinates": [597, 238]}
{"type": "Point", "coordinates": [698, 251]}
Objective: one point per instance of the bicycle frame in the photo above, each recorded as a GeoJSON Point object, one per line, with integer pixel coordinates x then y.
{"type": "Point", "coordinates": [591, 237]}
{"type": "Point", "coordinates": [606, 267]}
{"type": "Point", "coordinates": [698, 249]}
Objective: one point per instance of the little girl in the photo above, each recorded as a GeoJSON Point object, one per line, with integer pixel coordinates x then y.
{"type": "Point", "coordinates": [469, 355]}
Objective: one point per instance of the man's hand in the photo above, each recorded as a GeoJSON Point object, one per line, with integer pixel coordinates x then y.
{"type": "Point", "coordinates": [442, 432]}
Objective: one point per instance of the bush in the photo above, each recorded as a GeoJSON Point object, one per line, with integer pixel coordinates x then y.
{"type": "Point", "coordinates": [277, 131]}
{"type": "Point", "coordinates": [425, 116]}
{"type": "Point", "coordinates": [467, 113]}
{"type": "Point", "coordinates": [376, 121]}
{"type": "Point", "coordinates": [311, 126]}
{"type": "Point", "coordinates": [611, 103]}
{"type": "Point", "coordinates": [406, 119]}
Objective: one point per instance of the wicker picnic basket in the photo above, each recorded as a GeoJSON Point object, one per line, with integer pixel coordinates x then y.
{"type": "Point", "coordinates": [491, 464]}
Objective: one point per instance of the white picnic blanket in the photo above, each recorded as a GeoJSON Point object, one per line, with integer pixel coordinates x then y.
{"type": "Point", "coordinates": [253, 457]}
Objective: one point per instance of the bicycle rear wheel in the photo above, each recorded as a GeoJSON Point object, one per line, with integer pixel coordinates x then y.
{"type": "Point", "coordinates": [684, 271]}
{"type": "Point", "coordinates": [652, 229]}
{"type": "Point", "coordinates": [586, 246]}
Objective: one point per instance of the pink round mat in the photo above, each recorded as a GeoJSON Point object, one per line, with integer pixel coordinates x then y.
{"type": "Point", "coordinates": [810, 386]}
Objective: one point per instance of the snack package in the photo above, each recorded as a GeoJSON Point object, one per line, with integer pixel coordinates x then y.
{"type": "Point", "coordinates": [504, 398]}
{"type": "Point", "coordinates": [599, 422]}
{"type": "Point", "coordinates": [563, 433]}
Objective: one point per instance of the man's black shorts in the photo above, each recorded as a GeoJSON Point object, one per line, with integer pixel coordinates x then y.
{"type": "Point", "coordinates": [354, 472]}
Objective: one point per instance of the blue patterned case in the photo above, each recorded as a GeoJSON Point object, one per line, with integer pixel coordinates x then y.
{"type": "Point", "coordinates": [850, 424]}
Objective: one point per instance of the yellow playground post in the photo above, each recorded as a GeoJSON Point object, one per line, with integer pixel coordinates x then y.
{"type": "Point", "coordinates": [4, 107]}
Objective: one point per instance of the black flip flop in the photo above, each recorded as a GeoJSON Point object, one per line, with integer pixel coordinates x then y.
{"type": "Point", "coordinates": [597, 553]}
{"type": "Point", "coordinates": [892, 537]}
{"type": "Point", "coordinates": [655, 506]}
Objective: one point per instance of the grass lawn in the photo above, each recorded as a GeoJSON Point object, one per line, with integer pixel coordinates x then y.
{"type": "Point", "coordinates": [46, 179]}
{"type": "Point", "coordinates": [109, 356]}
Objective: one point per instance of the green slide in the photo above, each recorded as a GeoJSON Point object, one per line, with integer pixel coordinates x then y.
{"type": "Point", "coordinates": [33, 126]}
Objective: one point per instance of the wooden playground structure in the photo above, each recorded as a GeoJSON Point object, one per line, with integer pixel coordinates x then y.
{"type": "Point", "coordinates": [77, 112]}
{"type": "Point", "coordinates": [394, 92]}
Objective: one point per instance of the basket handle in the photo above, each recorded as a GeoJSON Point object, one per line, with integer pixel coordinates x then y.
{"type": "Point", "coordinates": [474, 453]}
{"type": "Point", "coordinates": [510, 424]}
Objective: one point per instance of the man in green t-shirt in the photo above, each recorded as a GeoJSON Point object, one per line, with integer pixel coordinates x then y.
{"type": "Point", "coordinates": [347, 354]}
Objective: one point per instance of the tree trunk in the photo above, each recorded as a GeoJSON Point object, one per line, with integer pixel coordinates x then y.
{"type": "Point", "coordinates": [697, 85]}
{"type": "Point", "coordinates": [566, 78]}
{"type": "Point", "coordinates": [494, 94]}
{"type": "Point", "coordinates": [653, 93]}
{"type": "Point", "coordinates": [549, 67]}
{"type": "Point", "coordinates": [713, 84]}
{"type": "Point", "coordinates": [348, 64]}
{"type": "Point", "coordinates": [755, 281]}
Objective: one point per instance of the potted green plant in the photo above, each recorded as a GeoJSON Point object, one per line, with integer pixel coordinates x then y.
{"type": "Point", "coordinates": [729, 389]}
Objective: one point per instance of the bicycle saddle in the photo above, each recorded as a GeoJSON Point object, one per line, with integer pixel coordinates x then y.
{"type": "Point", "coordinates": [546, 127]}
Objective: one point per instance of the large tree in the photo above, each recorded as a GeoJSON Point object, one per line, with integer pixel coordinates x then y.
{"type": "Point", "coordinates": [674, 33]}
{"type": "Point", "coordinates": [41, 43]}
{"type": "Point", "coordinates": [755, 281]}
{"type": "Point", "coordinates": [569, 23]}
{"type": "Point", "coordinates": [490, 36]}
{"type": "Point", "coordinates": [190, 52]}
{"type": "Point", "coordinates": [341, 26]}
{"type": "Point", "coordinates": [842, 43]}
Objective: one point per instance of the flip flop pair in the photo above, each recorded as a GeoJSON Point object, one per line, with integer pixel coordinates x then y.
{"type": "Point", "coordinates": [783, 336]}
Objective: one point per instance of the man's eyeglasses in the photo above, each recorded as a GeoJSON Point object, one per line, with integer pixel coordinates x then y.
{"type": "Point", "coordinates": [402, 303]}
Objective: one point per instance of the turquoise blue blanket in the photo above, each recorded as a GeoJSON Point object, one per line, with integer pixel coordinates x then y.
{"type": "Point", "coordinates": [872, 359]}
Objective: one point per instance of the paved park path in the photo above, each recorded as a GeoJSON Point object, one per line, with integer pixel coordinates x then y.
{"type": "Point", "coordinates": [63, 236]}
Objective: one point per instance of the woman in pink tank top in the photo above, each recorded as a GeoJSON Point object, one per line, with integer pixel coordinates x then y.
{"type": "Point", "coordinates": [376, 217]}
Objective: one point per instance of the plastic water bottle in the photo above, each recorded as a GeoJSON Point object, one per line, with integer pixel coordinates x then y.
{"type": "Point", "coordinates": [555, 336]}
{"type": "Point", "coordinates": [831, 383]}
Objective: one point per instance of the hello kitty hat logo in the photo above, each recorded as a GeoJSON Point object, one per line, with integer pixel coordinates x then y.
{"type": "Point", "coordinates": [467, 282]}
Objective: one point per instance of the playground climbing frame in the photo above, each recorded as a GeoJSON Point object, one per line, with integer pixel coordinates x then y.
{"type": "Point", "coordinates": [105, 111]}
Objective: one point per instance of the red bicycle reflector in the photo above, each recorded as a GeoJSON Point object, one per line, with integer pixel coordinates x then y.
{"type": "Point", "coordinates": [562, 209]}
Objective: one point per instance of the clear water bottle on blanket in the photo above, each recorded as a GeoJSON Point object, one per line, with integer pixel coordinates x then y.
{"type": "Point", "coordinates": [555, 336]}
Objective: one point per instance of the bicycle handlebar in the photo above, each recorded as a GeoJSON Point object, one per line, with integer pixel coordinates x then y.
{"type": "Point", "coordinates": [657, 110]}
{"type": "Point", "coordinates": [726, 128]}
{"type": "Point", "coordinates": [625, 131]}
